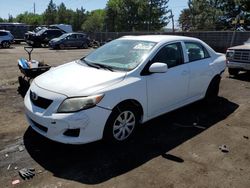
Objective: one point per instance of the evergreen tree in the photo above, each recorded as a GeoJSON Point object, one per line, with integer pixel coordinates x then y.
{"type": "Point", "coordinates": [50, 14]}
{"type": "Point", "coordinates": [95, 21]}
{"type": "Point", "coordinates": [61, 14]}
{"type": "Point", "coordinates": [215, 14]}
{"type": "Point", "coordinates": [78, 19]}
{"type": "Point", "coordinates": [136, 15]}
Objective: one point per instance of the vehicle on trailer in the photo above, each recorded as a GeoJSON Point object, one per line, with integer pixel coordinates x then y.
{"type": "Point", "coordinates": [120, 85]}
{"type": "Point", "coordinates": [79, 40]}
{"type": "Point", "coordinates": [18, 30]}
{"type": "Point", "coordinates": [238, 58]}
{"type": "Point", "coordinates": [39, 28]}
{"type": "Point", "coordinates": [6, 39]}
{"type": "Point", "coordinates": [42, 37]}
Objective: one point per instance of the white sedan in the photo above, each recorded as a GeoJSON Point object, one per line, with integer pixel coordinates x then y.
{"type": "Point", "coordinates": [124, 83]}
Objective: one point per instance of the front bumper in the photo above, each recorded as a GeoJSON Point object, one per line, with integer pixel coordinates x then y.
{"type": "Point", "coordinates": [53, 45]}
{"type": "Point", "coordinates": [47, 122]}
{"type": "Point", "coordinates": [238, 65]}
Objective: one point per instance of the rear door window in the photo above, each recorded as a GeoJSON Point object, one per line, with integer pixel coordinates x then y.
{"type": "Point", "coordinates": [80, 36]}
{"type": "Point", "coordinates": [196, 51]}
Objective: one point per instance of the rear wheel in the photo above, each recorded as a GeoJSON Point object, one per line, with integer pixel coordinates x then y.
{"type": "Point", "coordinates": [233, 72]}
{"type": "Point", "coordinates": [85, 45]}
{"type": "Point", "coordinates": [36, 45]}
{"type": "Point", "coordinates": [5, 44]}
{"type": "Point", "coordinates": [121, 124]}
{"type": "Point", "coordinates": [213, 90]}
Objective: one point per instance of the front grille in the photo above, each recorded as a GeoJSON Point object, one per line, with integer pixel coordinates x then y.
{"type": "Point", "coordinates": [242, 56]}
{"type": "Point", "coordinates": [40, 101]}
{"type": "Point", "coordinates": [40, 127]}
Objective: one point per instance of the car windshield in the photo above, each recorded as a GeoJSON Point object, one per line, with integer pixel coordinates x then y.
{"type": "Point", "coordinates": [38, 29]}
{"type": "Point", "coordinates": [120, 54]}
{"type": "Point", "coordinates": [63, 36]}
{"type": "Point", "coordinates": [248, 41]}
{"type": "Point", "coordinates": [41, 31]}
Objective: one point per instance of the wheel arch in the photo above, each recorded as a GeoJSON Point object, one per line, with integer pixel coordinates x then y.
{"type": "Point", "coordinates": [131, 103]}
{"type": "Point", "coordinates": [213, 84]}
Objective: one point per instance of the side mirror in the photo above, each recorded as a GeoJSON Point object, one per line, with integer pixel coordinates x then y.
{"type": "Point", "coordinates": [158, 68]}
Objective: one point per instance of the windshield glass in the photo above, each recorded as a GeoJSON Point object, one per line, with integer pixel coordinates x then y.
{"type": "Point", "coordinates": [248, 41]}
{"type": "Point", "coordinates": [121, 54]}
{"type": "Point", "coordinates": [63, 36]}
{"type": "Point", "coordinates": [41, 31]}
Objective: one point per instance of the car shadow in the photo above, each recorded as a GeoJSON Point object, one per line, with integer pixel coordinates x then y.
{"type": "Point", "coordinates": [243, 76]}
{"type": "Point", "coordinates": [98, 162]}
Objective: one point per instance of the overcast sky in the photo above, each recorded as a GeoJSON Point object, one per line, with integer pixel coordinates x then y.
{"type": "Point", "coordinates": [15, 7]}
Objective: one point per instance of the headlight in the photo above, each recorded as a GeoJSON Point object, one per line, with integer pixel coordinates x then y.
{"type": "Point", "coordinates": [230, 54]}
{"type": "Point", "coordinates": [79, 103]}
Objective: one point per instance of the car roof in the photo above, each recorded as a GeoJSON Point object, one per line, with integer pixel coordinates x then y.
{"type": "Point", "coordinates": [77, 33]}
{"type": "Point", "coordinates": [5, 31]}
{"type": "Point", "coordinates": [159, 38]}
{"type": "Point", "coordinates": [53, 29]}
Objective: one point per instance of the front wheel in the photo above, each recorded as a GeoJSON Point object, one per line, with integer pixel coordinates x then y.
{"type": "Point", "coordinates": [61, 46]}
{"type": "Point", "coordinates": [121, 124]}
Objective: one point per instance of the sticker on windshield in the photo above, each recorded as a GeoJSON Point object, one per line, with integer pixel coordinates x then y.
{"type": "Point", "coordinates": [143, 46]}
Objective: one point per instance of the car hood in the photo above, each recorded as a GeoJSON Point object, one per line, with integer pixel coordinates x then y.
{"type": "Point", "coordinates": [55, 40]}
{"type": "Point", "coordinates": [77, 79]}
{"type": "Point", "coordinates": [241, 47]}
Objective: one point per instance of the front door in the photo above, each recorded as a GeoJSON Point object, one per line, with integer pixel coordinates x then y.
{"type": "Point", "coordinates": [168, 90]}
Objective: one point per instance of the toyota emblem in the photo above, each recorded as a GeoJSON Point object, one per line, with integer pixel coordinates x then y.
{"type": "Point", "coordinates": [34, 96]}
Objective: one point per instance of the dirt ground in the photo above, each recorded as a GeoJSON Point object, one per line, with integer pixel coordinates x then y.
{"type": "Point", "coordinates": [179, 149]}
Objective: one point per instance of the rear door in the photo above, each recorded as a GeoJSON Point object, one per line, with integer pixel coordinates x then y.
{"type": "Point", "coordinates": [199, 60]}
{"type": "Point", "coordinates": [80, 40]}
{"type": "Point", "coordinates": [168, 90]}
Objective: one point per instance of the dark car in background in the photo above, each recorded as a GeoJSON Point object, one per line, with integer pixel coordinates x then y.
{"type": "Point", "coordinates": [78, 40]}
{"type": "Point", "coordinates": [42, 37]}
{"type": "Point", "coordinates": [18, 30]}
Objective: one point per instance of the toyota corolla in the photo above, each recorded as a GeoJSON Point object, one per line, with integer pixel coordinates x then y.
{"type": "Point", "coordinates": [121, 85]}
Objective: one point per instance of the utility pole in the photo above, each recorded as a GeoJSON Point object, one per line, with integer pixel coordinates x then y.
{"type": "Point", "coordinates": [34, 6]}
{"type": "Point", "coordinates": [172, 18]}
{"type": "Point", "coordinates": [149, 18]}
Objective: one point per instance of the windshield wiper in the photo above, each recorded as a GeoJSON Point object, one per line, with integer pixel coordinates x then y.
{"type": "Point", "coordinates": [98, 65]}
{"type": "Point", "coordinates": [103, 66]}
{"type": "Point", "coordinates": [90, 64]}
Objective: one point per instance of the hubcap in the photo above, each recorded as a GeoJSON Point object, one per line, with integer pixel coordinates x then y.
{"type": "Point", "coordinates": [124, 125]}
{"type": "Point", "coordinates": [5, 44]}
{"type": "Point", "coordinates": [61, 46]}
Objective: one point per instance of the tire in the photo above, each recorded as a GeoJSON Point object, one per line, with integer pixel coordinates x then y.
{"type": "Point", "coordinates": [36, 45]}
{"type": "Point", "coordinates": [85, 45]}
{"type": "Point", "coordinates": [121, 124]}
{"type": "Point", "coordinates": [5, 44]}
{"type": "Point", "coordinates": [213, 90]}
{"type": "Point", "coordinates": [61, 46]}
{"type": "Point", "coordinates": [233, 72]}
